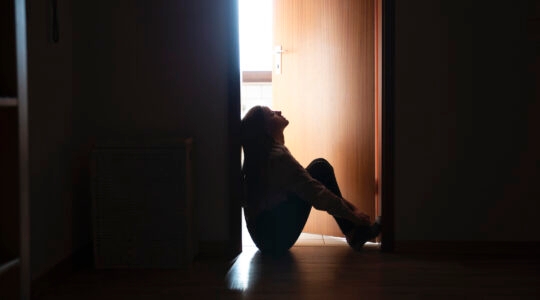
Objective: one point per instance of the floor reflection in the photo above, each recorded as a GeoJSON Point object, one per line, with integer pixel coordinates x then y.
{"type": "Point", "coordinates": [253, 270]}
{"type": "Point", "coordinates": [238, 275]}
{"type": "Point", "coordinates": [315, 261]}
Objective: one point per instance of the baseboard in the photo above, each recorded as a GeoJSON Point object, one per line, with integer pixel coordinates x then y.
{"type": "Point", "coordinates": [80, 259]}
{"type": "Point", "coordinates": [503, 248]}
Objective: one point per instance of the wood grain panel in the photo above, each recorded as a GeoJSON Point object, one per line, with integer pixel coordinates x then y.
{"type": "Point", "coordinates": [326, 90]}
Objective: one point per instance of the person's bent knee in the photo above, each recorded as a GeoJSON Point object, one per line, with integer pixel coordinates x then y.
{"type": "Point", "coordinates": [320, 166]}
{"type": "Point", "coordinates": [320, 163]}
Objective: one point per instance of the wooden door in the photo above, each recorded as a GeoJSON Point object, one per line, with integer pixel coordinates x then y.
{"type": "Point", "coordinates": [326, 90]}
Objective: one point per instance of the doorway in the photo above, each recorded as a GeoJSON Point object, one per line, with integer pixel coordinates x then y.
{"type": "Point", "coordinates": [310, 72]}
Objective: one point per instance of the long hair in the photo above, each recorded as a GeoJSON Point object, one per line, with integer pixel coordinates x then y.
{"type": "Point", "coordinates": [256, 143]}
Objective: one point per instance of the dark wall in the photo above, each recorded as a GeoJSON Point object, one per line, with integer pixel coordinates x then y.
{"type": "Point", "coordinates": [467, 150]}
{"type": "Point", "coordinates": [9, 199]}
{"type": "Point", "coordinates": [125, 70]}
{"type": "Point", "coordinates": [50, 135]}
{"type": "Point", "coordinates": [152, 70]}
{"type": "Point", "coordinates": [9, 175]}
{"type": "Point", "coordinates": [466, 140]}
{"type": "Point", "coordinates": [8, 82]}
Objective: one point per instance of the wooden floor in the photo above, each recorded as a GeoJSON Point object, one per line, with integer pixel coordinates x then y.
{"type": "Point", "coordinates": [314, 272]}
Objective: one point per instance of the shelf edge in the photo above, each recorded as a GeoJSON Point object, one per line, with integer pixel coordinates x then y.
{"type": "Point", "coordinates": [9, 264]}
{"type": "Point", "coordinates": [8, 101]}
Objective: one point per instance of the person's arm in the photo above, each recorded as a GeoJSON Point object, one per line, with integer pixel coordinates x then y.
{"type": "Point", "coordinates": [297, 180]}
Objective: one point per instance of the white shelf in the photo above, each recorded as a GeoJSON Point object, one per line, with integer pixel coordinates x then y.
{"type": "Point", "coordinates": [8, 101]}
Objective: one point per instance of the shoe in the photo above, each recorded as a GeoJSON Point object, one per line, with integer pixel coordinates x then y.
{"type": "Point", "coordinates": [357, 237]}
{"type": "Point", "coordinates": [376, 227]}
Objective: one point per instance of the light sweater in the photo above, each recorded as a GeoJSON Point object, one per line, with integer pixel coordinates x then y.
{"type": "Point", "coordinates": [285, 175]}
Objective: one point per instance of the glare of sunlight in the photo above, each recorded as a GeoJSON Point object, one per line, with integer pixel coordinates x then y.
{"type": "Point", "coordinates": [255, 23]}
{"type": "Point", "coordinates": [238, 275]}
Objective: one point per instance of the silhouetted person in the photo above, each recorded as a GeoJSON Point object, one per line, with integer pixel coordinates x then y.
{"type": "Point", "coordinates": [279, 192]}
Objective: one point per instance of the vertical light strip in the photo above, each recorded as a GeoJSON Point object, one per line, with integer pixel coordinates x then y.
{"type": "Point", "coordinates": [24, 186]}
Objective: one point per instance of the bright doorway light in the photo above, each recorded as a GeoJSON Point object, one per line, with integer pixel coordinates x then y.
{"type": "Point", "coordinates": [255, 23]}
{"type": "Point", "coordinates": [255, 35]}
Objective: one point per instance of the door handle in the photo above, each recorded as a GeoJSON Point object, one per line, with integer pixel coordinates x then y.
{"type": "Point", "coordinates": [278, 50]}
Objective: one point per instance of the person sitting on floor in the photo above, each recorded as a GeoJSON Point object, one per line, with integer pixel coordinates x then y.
{"type": "Point", "coordinates": [279, 192]}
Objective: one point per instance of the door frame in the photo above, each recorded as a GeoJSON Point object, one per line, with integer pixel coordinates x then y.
{"type": "Point", "coordinates": [386, 180]}
{"type": "Point", "coordinates": [23, 144]}
{"type": "Point", "coordinates": [234, 243]}
{"type": "Point", "coordinates": [387, 126]}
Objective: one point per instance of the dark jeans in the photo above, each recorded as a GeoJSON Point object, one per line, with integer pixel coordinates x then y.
{"type": "Point", "coordinates": [276, 230]}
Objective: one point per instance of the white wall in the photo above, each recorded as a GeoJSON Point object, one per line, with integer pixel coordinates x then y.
{"type": "Point", "coordinates": [258, 93]}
